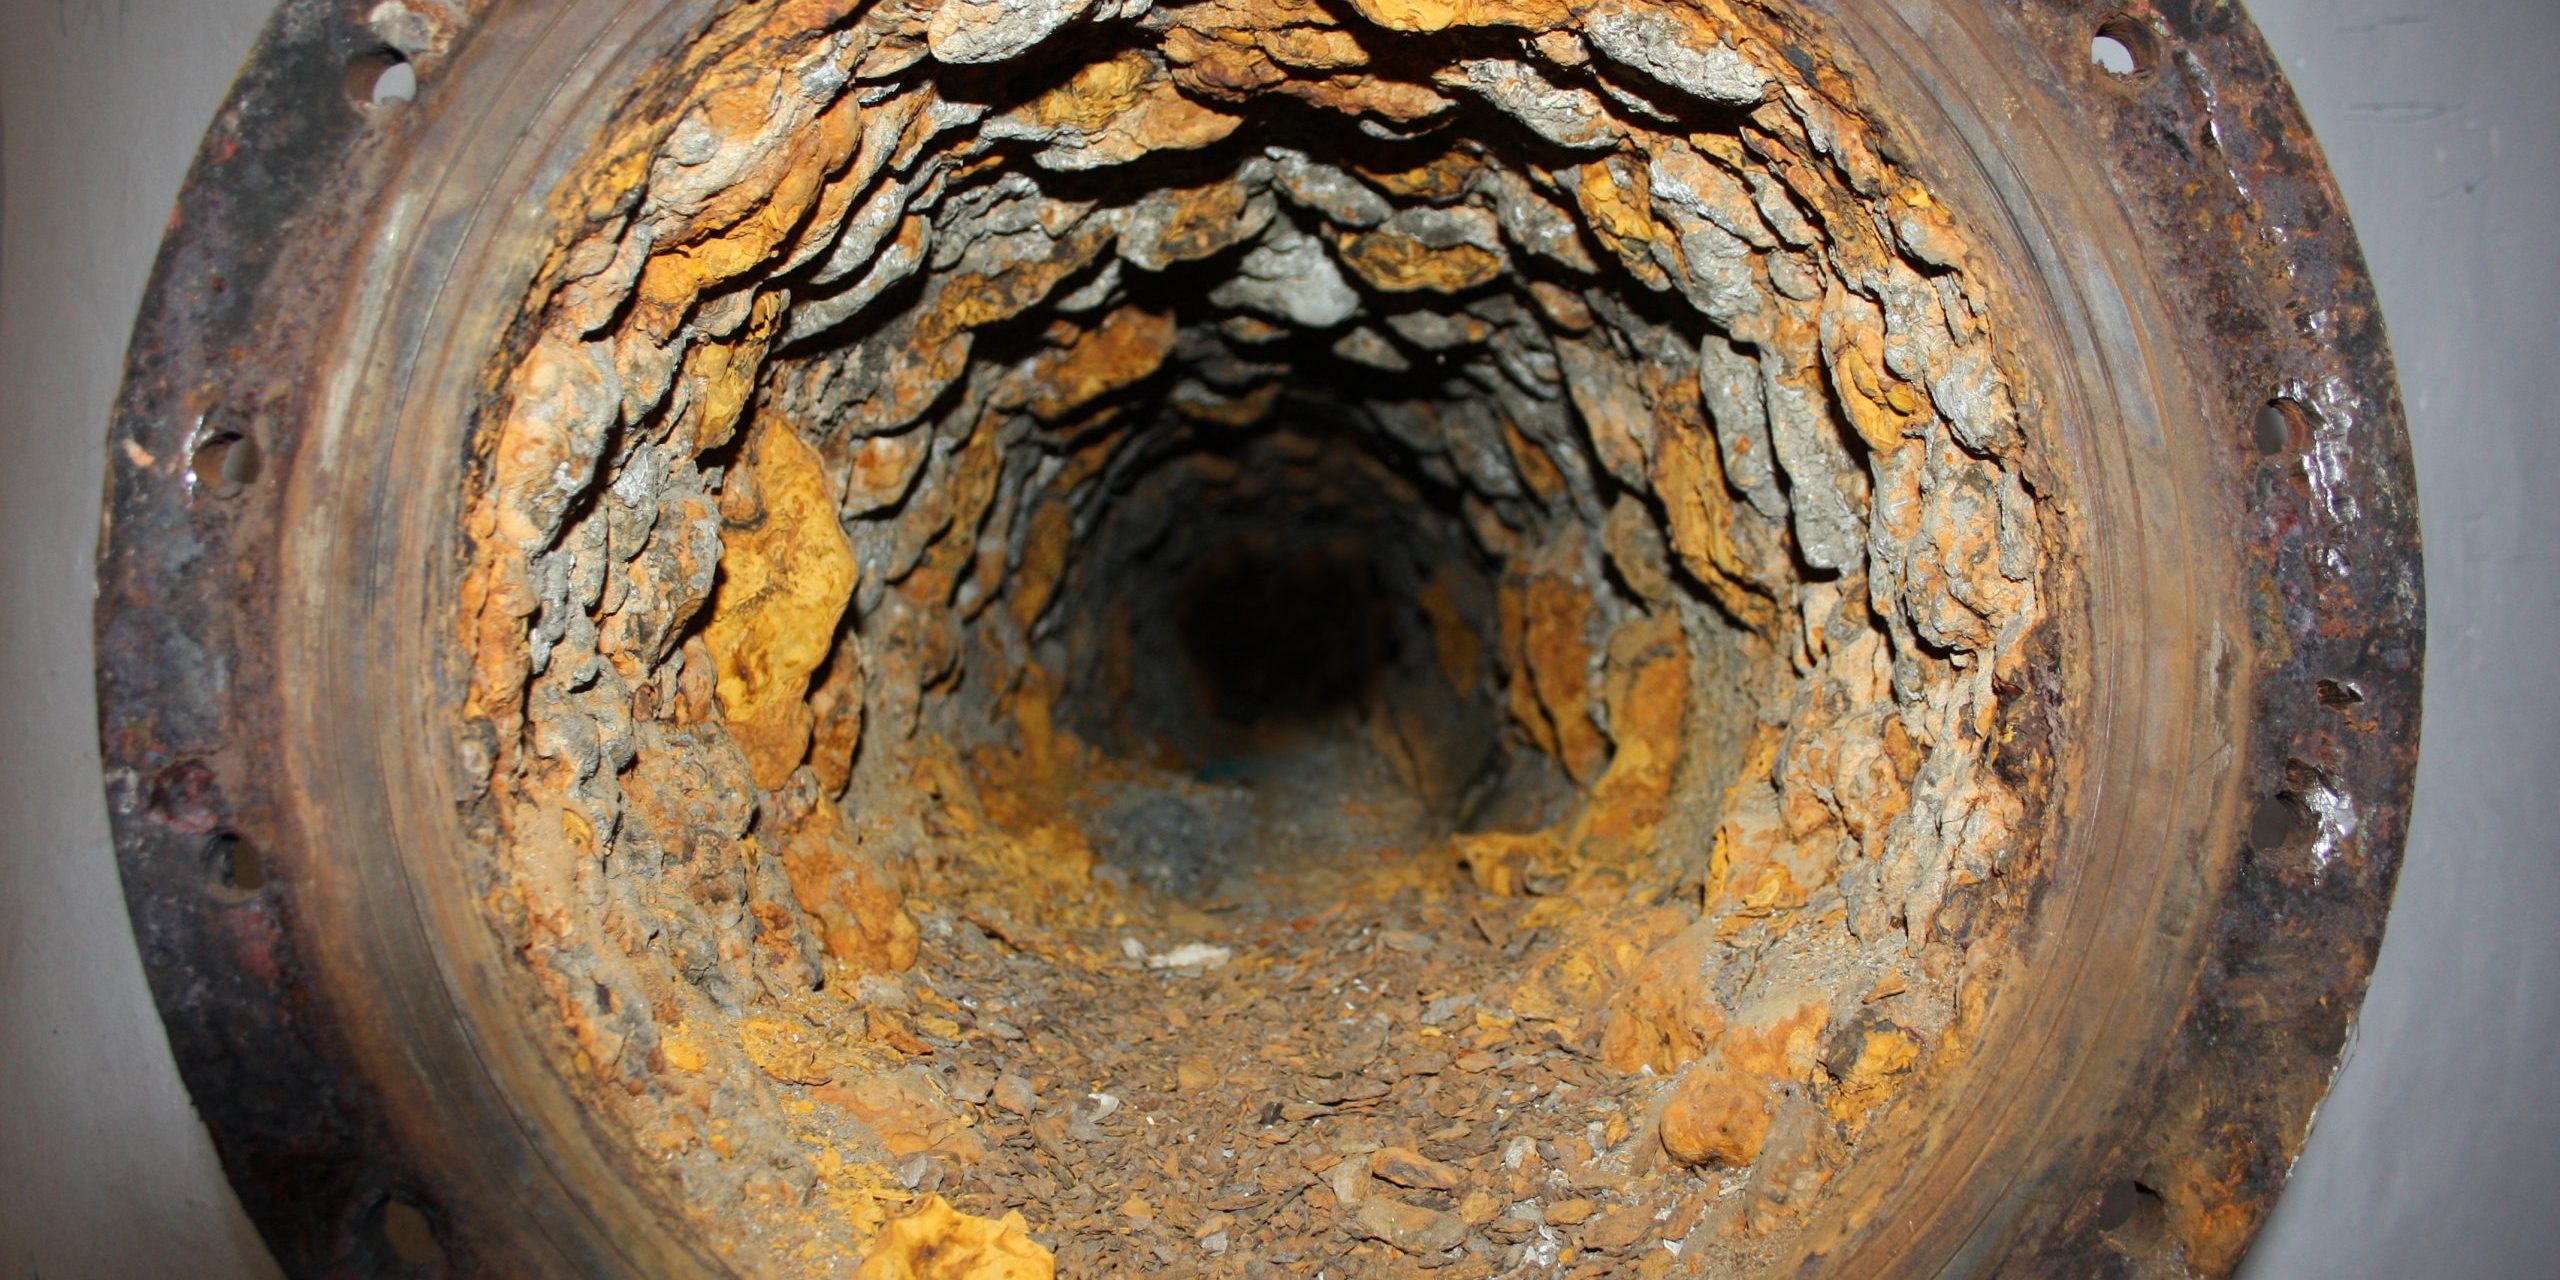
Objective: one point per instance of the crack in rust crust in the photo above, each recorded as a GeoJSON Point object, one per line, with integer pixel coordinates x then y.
{"type": "Point", "coordinates": [1481, 623]}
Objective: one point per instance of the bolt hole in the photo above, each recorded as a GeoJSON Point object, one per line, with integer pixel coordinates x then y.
{"type": "Point", "coordinates": [2124, 48]}
{"type": "Point", "coordinates": [235, 863]}
{"type": "Point", "coordinates": [2273, 823]}
{"type": "Point", "coordinates": [2125, 1202]}
{"type": "Point", "coordinates": [380, 78]}
{"type": "Point", "coordinates": [225, 464]}
{"type": "Point", "coordinates": [404, 1236]}
{"type": "Point", "coordinates": [2283, 425]}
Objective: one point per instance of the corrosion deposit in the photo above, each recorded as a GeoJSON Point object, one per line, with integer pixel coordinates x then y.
{"type": "Point", "coordinates": [1257, 637]}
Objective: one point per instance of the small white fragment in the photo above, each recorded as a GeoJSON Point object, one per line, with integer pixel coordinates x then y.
{"type": "Point", "coordinates": [1191, 955]}
{"type": "Point", "coordinates": [2336, 812]}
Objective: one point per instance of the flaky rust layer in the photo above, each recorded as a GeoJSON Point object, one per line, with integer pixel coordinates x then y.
{"type": "Point", "coordinates": [855, 339]}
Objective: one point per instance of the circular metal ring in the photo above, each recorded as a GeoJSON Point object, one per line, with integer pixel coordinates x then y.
{"type": "Point", "coordinates": [290, 442]}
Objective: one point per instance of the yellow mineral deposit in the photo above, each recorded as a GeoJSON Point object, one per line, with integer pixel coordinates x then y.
{"type": "Point", "coordinates": [786, 573]}
{"type": "Point", "coordinates": [1254, 637]}
{"type": "Point", "coordinates": [938, 1242]}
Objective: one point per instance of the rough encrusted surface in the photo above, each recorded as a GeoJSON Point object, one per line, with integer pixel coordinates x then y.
{"type": "Point", "coordinates": [852, 366]}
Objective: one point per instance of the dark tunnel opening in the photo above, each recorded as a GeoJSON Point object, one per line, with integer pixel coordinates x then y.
{"type": "Point", "coordinates": [1280, 635]}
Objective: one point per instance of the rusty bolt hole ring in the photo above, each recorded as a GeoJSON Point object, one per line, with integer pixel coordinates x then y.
{"type": "Point", "coordinates": [402, 1238]}
{"type": "Point", "coordinates": [2126, 50]}
{"type": "Point", "coordinates": [225, 463]}
{"type": "Point", "coordinates": [2277, 950]}
{"type": "Point", "coordinates": [234, 866]}
{"type": "Point", "coordinates": [379, 79]}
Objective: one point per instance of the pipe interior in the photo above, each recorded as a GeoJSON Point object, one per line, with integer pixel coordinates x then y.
{"type": "Point", "coordinates": [1282, 637]}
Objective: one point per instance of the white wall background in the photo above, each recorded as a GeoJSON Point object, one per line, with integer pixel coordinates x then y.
{"type": "Point", "coordinates": [2437, 1156]}
{"type": "Point", "coordinates": [104, 1172]}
